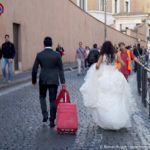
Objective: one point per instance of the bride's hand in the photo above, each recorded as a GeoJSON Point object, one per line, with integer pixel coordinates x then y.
{"type": "Point", "coordinates": [99, 62]}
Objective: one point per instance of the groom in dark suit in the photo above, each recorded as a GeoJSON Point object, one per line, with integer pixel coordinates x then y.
{"type": "Point", "coordinates": [51, 71]}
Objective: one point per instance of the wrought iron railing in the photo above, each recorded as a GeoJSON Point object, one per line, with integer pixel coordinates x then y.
{"type": "Point", "coordinates": [143, 84]}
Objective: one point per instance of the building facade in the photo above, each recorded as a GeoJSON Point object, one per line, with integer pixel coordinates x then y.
{"type": "Point", "coordinates": [121, 14]}
{"type": "Point", "coordinates": [114, 6]}
{"type": "Point", "coordinates": [136, 20]}
{"type": "Point", "coordinates": [28, 24]}
{"type": "Point", "coordinates": [97, 8]}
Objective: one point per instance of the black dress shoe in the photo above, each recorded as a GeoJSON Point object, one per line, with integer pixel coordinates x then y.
{"type": "Point", "coordinates": [45, 119]}
{"type": "Point", "coordinates": [52, 124]}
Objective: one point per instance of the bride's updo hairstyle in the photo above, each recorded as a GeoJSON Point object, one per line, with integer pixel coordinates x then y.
{"type": "Point", "coordinates": [109, 51]}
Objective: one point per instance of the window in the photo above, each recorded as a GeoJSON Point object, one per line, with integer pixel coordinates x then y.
{"type": "Point", "coordinates": [116, 6]}
{"type": "Point", "coordinates": [148, 36]}
{"type": "Point", "coordinates": [127, 7]}
{"type": "Point", "coordinates": [82, 4]}
{"type": "Point", "coordinates": [102, 5]}
{"type": "Point", "coordinates": [120, 27]}
{"type": "Point", "coordinates": [137, 24]}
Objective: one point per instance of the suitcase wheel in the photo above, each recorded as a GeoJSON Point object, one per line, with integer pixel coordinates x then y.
{"type": "Point", "coordinates": [60, 132]}
{"type": "Point", "coordinates": [63, 131]}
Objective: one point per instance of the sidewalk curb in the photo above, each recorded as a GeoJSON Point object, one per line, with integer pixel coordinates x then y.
{"type": "Point", "coordinates": [27, 79]}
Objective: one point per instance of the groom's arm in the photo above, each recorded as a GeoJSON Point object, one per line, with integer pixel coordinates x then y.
{"type": "Point", "coordinates": [35, 70]}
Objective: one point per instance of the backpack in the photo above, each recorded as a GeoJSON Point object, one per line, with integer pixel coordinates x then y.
{"type": "Point", "coordinates": [93, 56]}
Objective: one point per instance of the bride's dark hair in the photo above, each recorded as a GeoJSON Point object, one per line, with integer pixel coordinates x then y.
{"type": "Point", "coordinates": [109, 51]}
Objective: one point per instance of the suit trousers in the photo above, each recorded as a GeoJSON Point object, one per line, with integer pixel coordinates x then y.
{"type": "Point", "coordinates": [52, 97]}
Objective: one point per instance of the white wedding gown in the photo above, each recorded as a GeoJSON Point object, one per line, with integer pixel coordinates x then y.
{"type": "Point", "coordinates": [106, 93]}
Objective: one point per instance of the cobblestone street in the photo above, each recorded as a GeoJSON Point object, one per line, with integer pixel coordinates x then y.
{"type": "Point", "coordinates": [21, 125]}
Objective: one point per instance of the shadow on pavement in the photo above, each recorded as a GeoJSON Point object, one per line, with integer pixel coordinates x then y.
{"type": "Point", "coordinates": [47, 138]}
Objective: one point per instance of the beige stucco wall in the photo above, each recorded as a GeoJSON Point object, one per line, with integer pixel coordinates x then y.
{"type": "Point", "coordinates": [137, 33]}
{"type": "Point", "coordinates": [136, 5]}
{"type": "Point", "coordinates": [75, 1]}
{"type": "Point", "coordinates": [93, 5]}
{"type": "Point", "coordinates": [142, 32]}
{"type": "Point", "coordinates": [109, 6]}
{"type": "Point", "coordinates": [122, 3]}
{"type": "Point", "coordinates": [140, 6]}
{"type": "Point", "coordinates": [60, 19]}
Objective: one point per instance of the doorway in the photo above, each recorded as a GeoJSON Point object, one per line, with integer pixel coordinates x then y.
{"type": "Point", "coordinates": [17, 43]}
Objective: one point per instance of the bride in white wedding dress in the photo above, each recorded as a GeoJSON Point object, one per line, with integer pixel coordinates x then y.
{"type": "Point", "coordinates": [106, 91]}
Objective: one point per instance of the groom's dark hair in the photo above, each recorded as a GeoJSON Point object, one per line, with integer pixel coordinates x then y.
{"type": "Point", "coordinates": [48, 41]}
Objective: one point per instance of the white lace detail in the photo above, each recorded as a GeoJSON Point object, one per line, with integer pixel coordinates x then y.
{"type": "Point", "coordinates": [106, 61]}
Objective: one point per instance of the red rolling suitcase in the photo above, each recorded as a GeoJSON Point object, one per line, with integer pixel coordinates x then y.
{"type": "Point", "coordinates": [66, 117]}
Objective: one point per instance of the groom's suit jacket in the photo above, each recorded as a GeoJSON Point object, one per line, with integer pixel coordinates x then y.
{"type": "Point", "coordinates": [51, 68]}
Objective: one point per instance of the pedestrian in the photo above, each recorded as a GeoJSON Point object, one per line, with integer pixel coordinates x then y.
{"type": "Point", "coordinates": [87, 49]}
{"type": "Point", "coordinates": [137, 54]}
{"type": "Point", "coordinates": [51, 72]}
{"type": "Point", "coordinates": [93, 55]}
{"type": "Point", "coordinates": [148, 74]}
{"type": "Point", "coordinates": [139, 49]}
{"type": "Point", "coordinates": [144, 49]}
{"type": "Point", "coordinates": [60, 50]}
{"type": "Point", "coordinates": [135, 51]}
{"type": "Point", "coordinates": [116, 47]}
{"type": "Point", "coordinates": [0, 53]}
{"type": "Point", "coordinates": [80, 57]}
{"type": "Point", "coordinates": [127, 56]}
{"type": "Point", "coordinates": [99, 49]}
{"type": "Point", "coordinates": [7, 54]}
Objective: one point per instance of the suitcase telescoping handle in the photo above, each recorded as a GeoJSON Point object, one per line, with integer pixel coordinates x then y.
{"type": "Point", "coordinates": [66, 97]}
{"type": "Point", "coordinates": [63, 97]}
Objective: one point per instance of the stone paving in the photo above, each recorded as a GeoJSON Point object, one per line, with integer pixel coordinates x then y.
{"type": "Point", "coordinates": [21, 127]}
{"type": "Point", "coordinates": [24, 77]}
